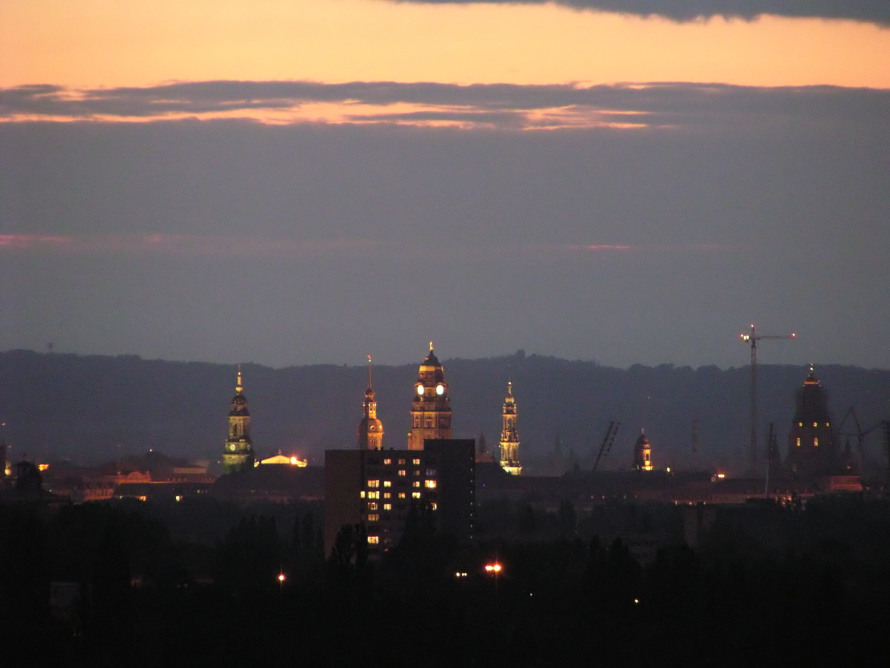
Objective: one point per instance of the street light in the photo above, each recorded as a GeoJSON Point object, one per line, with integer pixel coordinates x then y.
{"type": "Point", "coordinates": [494, 568]}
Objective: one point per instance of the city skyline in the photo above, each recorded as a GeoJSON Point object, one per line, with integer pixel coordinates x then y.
{"type": "Point", "coordinates": [294, 183]}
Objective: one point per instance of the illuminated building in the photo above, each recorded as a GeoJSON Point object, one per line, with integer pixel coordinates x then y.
{"type": "Point", "coordinates": [510, 435]}
{"type": "Point", "coordinates": [370, 429]}
{"type": "Point", "coordinates": [238, 453]}
{"type": "Point", "coordinates": [431, 407]}
{"type": "Point", "coordinates": [382, 488]}
{"type": "Point", "coordinates": [434, 479]}
{"type": "Point", "coordinates": [811, 439]}
{"type": "Point", "coordinates": [643, 453]}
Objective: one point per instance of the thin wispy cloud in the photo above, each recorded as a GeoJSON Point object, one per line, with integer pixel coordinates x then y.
{"type": "Point", "coordinates": [184, 245]}
{"type": "Point", "coordinates": [867, 11]}
{"type": "Point", "coordinates": [498, 106]}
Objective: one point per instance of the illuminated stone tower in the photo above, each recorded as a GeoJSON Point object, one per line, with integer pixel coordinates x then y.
{"type": "Point", "coordinates": [431, 407]}
{"type": "Point", "coordinates": [510, 435]}
{"type": "Point", "coordinates": [370, 429]}
{"type": "Point", "coordinates": [238, 455]}
{"type": "Point", "coordinates": [811, 441]}
{"type": "Point", "coordinates": [643, 453]}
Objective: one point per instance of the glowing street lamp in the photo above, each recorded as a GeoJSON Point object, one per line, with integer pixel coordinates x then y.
{"type": "Point", "coordinates": [493, 568]}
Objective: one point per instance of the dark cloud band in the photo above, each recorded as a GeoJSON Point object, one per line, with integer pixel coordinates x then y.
{"type": "Point", "coordinates": [868, 11]}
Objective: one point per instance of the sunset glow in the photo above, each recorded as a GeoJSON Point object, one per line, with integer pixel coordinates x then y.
{"type": "Point", "coordinates": [108, 43]}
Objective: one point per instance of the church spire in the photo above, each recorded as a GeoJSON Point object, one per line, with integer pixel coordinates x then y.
{"type": "Point", "coordinates": [370, 429]}
{"type": "Point", "coordinates": [510, 434]}
{"type": "Point", "coordinates": [238, 453]}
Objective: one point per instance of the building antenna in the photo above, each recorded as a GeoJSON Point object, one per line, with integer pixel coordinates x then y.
{"type": "Point", "coordinates": [753, 338]}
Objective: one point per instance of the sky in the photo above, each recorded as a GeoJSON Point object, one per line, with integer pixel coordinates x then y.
{"type": "Point", "coordinates": [305, 181]}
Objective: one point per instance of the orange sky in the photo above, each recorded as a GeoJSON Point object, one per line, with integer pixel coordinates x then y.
{"type": "Point", "coordinates": [92, 43]}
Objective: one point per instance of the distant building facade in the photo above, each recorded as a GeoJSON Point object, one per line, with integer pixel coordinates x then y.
{"type": "Point", "coordinates": [382, 488]}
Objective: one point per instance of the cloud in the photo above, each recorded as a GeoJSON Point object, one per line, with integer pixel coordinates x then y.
{"type": "Point", "coordinates": [867, 11]}
{"type": "Point", "coordinates": [213, 246]}
{"type": "Point", "coordinates": [502, 106]}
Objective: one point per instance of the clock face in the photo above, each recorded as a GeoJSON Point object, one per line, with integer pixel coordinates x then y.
{"type": "Point", "coordinates": [440, 389]}
{"type": "Point", "coordinates": [420, 389]}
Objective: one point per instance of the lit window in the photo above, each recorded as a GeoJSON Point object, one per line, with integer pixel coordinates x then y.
{"type": "Point", "coordinates": [401, 495]}
{"type": "Point", "coordinates": [415, 495]}
{"type": "Point", "coordinates": [373, 483]}
{"type": "Point", "coordinates": [815, 424]}
{"type": "Point", "coordinates": [430, 484]}
{"type": "Point", "coordinates": [816, 442]}
{"type": "Point", "coordinates": [387, 506]}
{"type": "Point", "coordinates": [373, 540]}
{"type": "Point", "coordinates": [387, 483]}
{"type": "Point", "coordinates": [387, 462]}
{"type": "Point", "coordinates": [373, 495]}
{"type": "Point", "coordinates": [373, 517]}
{"type": "Point", "coordinates": [362, 494]}
{"type": "Point", "coordinates": [416, 483]}
{"type": "Point", "coordinates": [798, 441]}
{"type": "Point", "coordinates": [401, 473]}
{"type": "Point", "coordinates": [401, 462]}
{"type": "Point", "coordinates": [372, 505]}
{"type": "Point", "coordinates": [387, 495]}
{"type": "Point", "coordinates": [434, 505]}
{"type": "Point", "coordinates": [416, 462]}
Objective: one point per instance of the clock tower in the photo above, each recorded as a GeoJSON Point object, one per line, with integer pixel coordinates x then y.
{"type": "Point", "coordinates": [370, 429]}
{"type": "Point", "coordinates": [510, 435]}
{"type": "Point", "coordinates": [431, 407]}
{"type": "Point", "coordinates": [238, 454]}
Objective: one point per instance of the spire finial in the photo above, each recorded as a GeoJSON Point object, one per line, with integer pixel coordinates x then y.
{"type": "Point", "coordinates": [239, 387]}
{"type": "Point", "coordinates": [369, 371]}
{"type": "Point", "coordinates": [431, 346]}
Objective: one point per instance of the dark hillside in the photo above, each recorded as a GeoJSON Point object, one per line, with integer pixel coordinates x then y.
{"type": "Point", "coordinates": [94, 408]}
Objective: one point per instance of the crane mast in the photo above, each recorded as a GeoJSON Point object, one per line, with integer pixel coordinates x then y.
{"type": "Point", "coordinates": [753, 338]}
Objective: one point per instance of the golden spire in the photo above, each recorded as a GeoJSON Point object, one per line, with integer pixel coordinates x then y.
{"type": "Point", "coordinates": [369, 371]}
{"type": "Point", "coordinates": [239, 387]}
{"type": "Point", "coordinates": [431, 346]}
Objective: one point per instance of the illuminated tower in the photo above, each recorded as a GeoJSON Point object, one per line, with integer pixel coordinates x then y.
{"type": "Point", "coordinates": [370, 429]}
{"type": "Point", "coordinates": [238, 455]}
{"type": "Point", "coordinates": [811, 441]}
{"type": "Point", "coordinates": [643, 453]}
{"type": "Point", "coordinates": [431, 408]}
{"type": "Point", "coordinates": [510, 435]}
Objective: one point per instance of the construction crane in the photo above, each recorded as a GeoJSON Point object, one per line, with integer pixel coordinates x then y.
{"type": "Point", "coordinates": [861, 433]}
{"type": "Point", "coordinates": [606, 445]}
{"type": "Point", "coordinates": [753, 338]}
